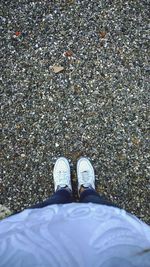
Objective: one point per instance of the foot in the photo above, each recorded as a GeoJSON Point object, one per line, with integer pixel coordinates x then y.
{"type": "Point", "coordinates": [61, 174]}
{"type": "Point", "coordinates": [85, 175]}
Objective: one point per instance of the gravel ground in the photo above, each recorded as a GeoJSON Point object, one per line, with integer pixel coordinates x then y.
{"type": "Point", "coordinates": [97, 106]}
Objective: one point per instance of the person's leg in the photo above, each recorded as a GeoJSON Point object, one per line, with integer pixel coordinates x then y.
{"type": "Point", "coordinates": [90, 195]}
{"type": "Point", "coordinates": [61, 196]}
{"type": "Point", "coordinates": [86, 184]}
{"type": "Point", "coordinates": [62, 185]}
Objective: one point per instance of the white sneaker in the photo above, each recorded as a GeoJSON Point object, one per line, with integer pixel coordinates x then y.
{"type": "Point", "coordinates": [85, 173]}
{"type": "Point", "coordinates": [61, 174]}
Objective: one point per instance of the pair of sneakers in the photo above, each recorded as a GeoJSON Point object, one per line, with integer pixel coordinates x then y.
{"type": "Point", "coordinates": [62, 174]}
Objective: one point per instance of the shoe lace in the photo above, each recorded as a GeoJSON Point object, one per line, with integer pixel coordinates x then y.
{"type": "Point", "coordinates": [85, 177]}
{"type": "Point", "coordinates": [61, 176]}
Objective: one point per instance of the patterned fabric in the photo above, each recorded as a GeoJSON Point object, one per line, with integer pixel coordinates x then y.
{"type": "Point", "coordinates": [74, 235]}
